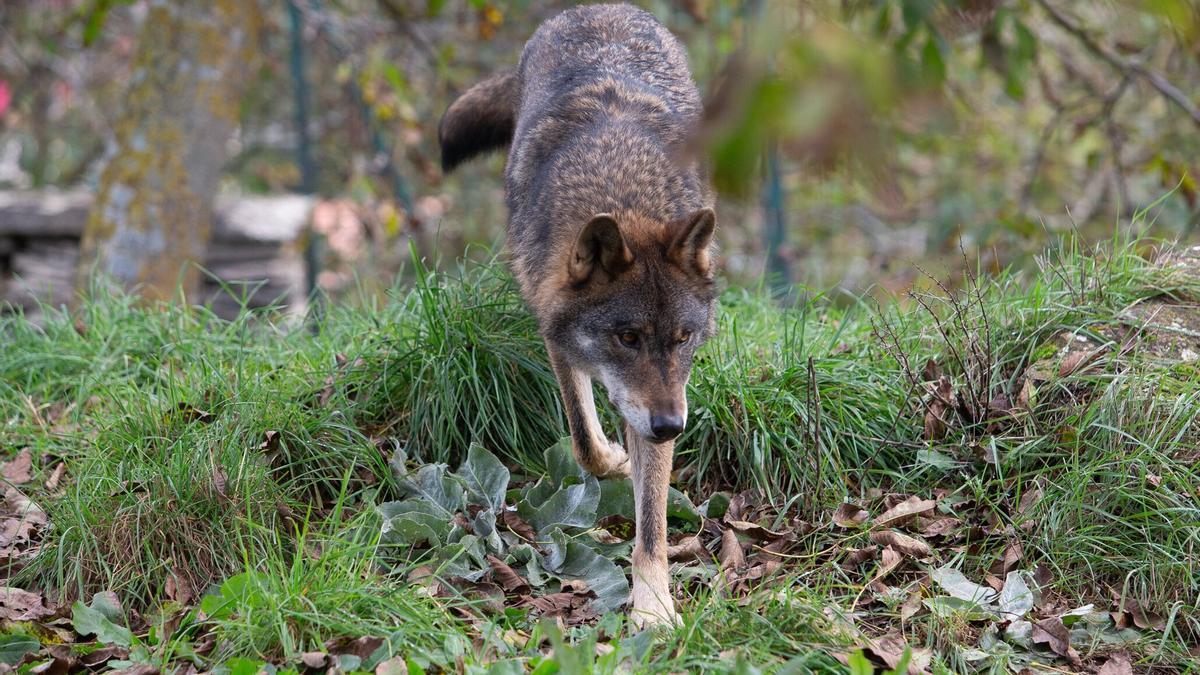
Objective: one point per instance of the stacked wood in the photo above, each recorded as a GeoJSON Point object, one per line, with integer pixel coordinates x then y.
{"type": "Point", "coordinates": [254, 258]}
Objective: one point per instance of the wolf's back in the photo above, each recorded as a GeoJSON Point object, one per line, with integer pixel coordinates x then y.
{"type": "Point", "coordinates": [618, 47]}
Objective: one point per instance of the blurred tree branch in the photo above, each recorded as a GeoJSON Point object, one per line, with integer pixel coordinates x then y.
{"type": "Point", "coordinates": [1127, 67]}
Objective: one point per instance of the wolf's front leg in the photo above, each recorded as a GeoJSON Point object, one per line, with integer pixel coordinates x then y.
{"type": "Point", "coordinates": [651, 597]}
{"type": "Point", "coordinates": [594, 452]}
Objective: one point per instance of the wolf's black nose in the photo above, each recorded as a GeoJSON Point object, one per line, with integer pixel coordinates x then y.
{"type": "Point", "coordinates": [666, 427]}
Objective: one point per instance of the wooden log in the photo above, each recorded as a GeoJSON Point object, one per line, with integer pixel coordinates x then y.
{"type": "Point", "coordinates": [254, 257]}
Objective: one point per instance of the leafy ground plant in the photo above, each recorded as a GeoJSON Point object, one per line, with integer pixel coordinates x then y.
{"type": "Point", "coordinates": [538, 543]}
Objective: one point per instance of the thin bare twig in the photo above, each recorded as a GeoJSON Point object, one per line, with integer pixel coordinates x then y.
{"type": "Point", "coordinates": [1164, 87]}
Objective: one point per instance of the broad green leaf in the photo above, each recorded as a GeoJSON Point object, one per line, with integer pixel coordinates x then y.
{"type": "Point", "coordinates": [537, 493]}
{"type": "Point", "coordinates": [92, 621]}
{"type": "Point", "coordinates": [399, 463]}
{"type": "Point", "coordinates": [953, 582]}
{"type": "Point", "coordinates": [14, 647]}
{"type": "Point", "coordinates": [414, 521]}
{"type": "Point", "coordinates": [570, 559]}
{"type": "Point", "coordinates": [433, 485]}
{"type": "Point", "coordinates": [484, 526]}
{"type": "Point", "coordinates": [638, 645]}
{"type": "Point", "coordinates": [507, 667]}
{"type": "Point", "coordinates": [616, 498]}
{"type": "Point", "coordinates": [106, 603]}
{"type": "Point", "coordinates": [937, 459]}
{"type": "Point", "coordinates": [572, 506]}
{"type": "Point", "coordinates": [716, 505]}
{"type": "Point", "coordinates": [1015, 597]}
{"type": "Point", "coordinates": [240, 665]}
{"type": "Point", "coordinates": [465, 558]}
{"type": "Point", "coordinates": [1074, 615]}
{"type": "Point", "coordinates": [561, 464]}
{"type": "Point", "coordinates": [681, 507]}
{"type": "Point", "coordinates": [946, 607]}
{"type": "Point", "coordinates": [411, 529]}
{"type": "Point", "coordinates": [859, 664]}
{"type": "Point", "coordinates": [527, 561]}
{"type": "Point", "coordinates": [1020, 633]}
{"type": "Point", "coordinates": [485, 477]}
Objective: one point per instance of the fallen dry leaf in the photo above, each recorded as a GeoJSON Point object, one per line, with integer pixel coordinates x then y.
{"type": "Point", "coordinates": [508, 578]}
{"type": "Point", "coordinates": [858, 556]}
{"type": "Point", "coordinates": [178, 589]}
{"type": "Point", "coordinates": [994, 582]}
{"type": "Point", "coordinates": [98, 657]}
{"type": "Point", "coordinates": [19, 469]}
{"type": "Point", "coordinates": [932, 371]}
{"type": "Point", "coordinates": [271, 440]}
{"type": "Point", "coordinates": [572, 607]}
{"type": "Point", "coordinates": [905, 511]}
{"type": "Point", "coordinates": [362, 647]}
{"type": "Point", "coordinates": [849, 514]}
{"type": "Point", "coordinates": [397, 665]}
{"type": "Point", "coordinates": [890, 649]}
{"type": "Point", "coordinates": [21, 605]}
{"type": "Point", "coordinates": [731, 556]}
{"type": "Point", "coordinates": [1029, 499]}
{"type": "Point", "coordinates": [1052, 633]}
{"type": "Point", "coordinates": [941, 401]}
{"type": "Point", "coordinates": [910, 546]}
{"type": "Point", "coordinates": [1025, 395]}
{"type": "Point", "coordinates": [56, 475]}
{"type": "Point", "coordinates": [912, 605]}
{"type": "Point", "coordinates": [772, 554]}
{"type": "Point", "coordinates": [753, 530]}
{"type": "Point", "coordinates": [1118, 664]}
{"type": "Point", "coordinates": [314, 660]}
{"type": "Point", "coordinates": [20, 522]}
{"type": "Point", "coordinates": [490, 596]}
{"type": "Point", "coordinates": [518, 526]}
{"type": "Point", "coordinates": [1013, 551]}
{"type": "Point", "coordinates": [63, 661]}
{"type": "Point", "coordinates": [689, 548]}
{"type": "Point", "coordinates": [220, 482]}
{"type": "Point", "coordinates": [889, 560]}
{"type": "Point", "coordinates": [940, 527]}
{"type": "Point", "coordinates": [1143, 618]}
{"type": "Point", "coordinates": [620, 527]}
{"type": "Point", "coordinates": [1076, 362]}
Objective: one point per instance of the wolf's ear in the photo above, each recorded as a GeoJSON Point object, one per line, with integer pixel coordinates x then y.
{"type": "Point", "coordinates": [600, 249]}
{"type": "Point", "coordinates": [690, 248]}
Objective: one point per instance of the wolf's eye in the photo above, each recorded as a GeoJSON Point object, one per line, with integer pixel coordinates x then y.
{"type": "Point", "coordinates": [628, 339]}
{"type": "Point", "coordinates": [684, 337]}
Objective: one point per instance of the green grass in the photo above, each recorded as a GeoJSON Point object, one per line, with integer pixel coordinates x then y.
{"type": "Point", "coordinates": [199, 449]}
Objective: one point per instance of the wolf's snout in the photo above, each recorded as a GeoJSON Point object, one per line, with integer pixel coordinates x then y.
{"type": "Point", "coordinates": [666, 427]}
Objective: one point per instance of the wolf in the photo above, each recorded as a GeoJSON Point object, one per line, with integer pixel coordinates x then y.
{"type": "Point", "coordinates": [610, 237]}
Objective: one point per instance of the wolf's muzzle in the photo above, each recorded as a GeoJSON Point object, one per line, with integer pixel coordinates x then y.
{"type": "Point", "coordinates": [665, 427]}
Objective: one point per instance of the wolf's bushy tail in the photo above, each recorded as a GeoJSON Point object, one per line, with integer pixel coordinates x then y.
{"type": "Point", "coordinates": [481, 119]}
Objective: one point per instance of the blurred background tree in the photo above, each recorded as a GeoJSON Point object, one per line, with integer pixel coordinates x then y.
{"type": "Point", "coordinates": [155, 195]}
{"type": "Point", "coordinates": [902, 131]}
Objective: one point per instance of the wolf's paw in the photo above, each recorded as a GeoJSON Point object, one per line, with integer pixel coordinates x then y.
{"type": "Point", "coordinates": [652, 607]}
{"type": "Point", "coordinates": [613, 462]}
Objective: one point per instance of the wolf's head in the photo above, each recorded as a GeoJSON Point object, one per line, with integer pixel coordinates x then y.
{"type": "Point", "coordinates": [639, 300]}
